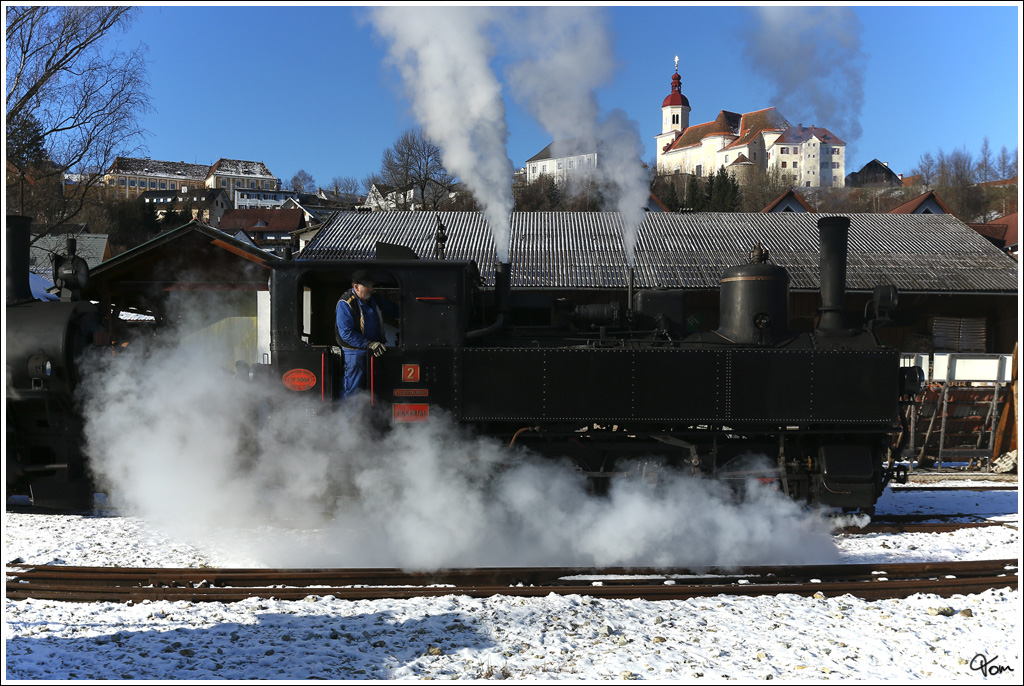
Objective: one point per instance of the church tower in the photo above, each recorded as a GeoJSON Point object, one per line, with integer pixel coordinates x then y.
{"type": "Point", "coordinates": [675, 114]}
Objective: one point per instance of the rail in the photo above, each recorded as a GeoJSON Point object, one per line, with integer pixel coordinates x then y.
{"type": "Point", "coordinates": [868, 581]}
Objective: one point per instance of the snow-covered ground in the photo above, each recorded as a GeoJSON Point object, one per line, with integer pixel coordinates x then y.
{"type": "Point", "coordinates": [925, 637]}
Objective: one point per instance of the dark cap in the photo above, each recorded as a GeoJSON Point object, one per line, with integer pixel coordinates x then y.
{"type": "Point", "coordinates": [363, 277]}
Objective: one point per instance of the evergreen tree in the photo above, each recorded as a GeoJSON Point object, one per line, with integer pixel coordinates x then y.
{"type": "Point", "coordinates": [695, 194]}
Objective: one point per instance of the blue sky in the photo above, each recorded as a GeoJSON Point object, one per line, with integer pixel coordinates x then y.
{"type": "Point", "coordinates": [310, 86]}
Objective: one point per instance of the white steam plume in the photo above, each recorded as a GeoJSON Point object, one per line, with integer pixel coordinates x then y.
{"type": "Point", "coordinates": [814, 59]}
{"type": "Point", "coordinates": [568, 54]}
{"type": "Point", "coordinates": [443, 54]}
{"type": "Point", "coordinates": [253, 473]}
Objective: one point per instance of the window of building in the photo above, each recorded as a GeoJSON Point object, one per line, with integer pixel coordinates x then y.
{"type": "Point", "coordinates": [223, 183]}
{"type": "Point", "coordinates": [152, 184]}
{"type": "Point", "coordinates": [794, 164]}
{"type": "Point", "coordinates": [173, 185]}
{"type": "Point", "coordinates": [835, 165]}
{"type": "Point", "coordinates": [783, 165]}
{"type": "Point", "coordinates": [675, 118]}
{"type": "Point", "coordinates": [727, 159]}
{"type": "Point", "coordinates": [754, 154]}
{"type": "Point", "coordinates": [698, 170]}
{"type": "Point", "coordinates": [570, 164]}
{"type": "Point", "coordinates": [131, 183]}
{"type": "Point", "coordinates": [543, 169]}
{"type": "Point", "coordinates": [121, 182]}
{"type": "Point", "coordinates": [163, 185]}
{"type": "Point", "coordinates": [784, 151]}
{"type": "Point", "coordinates": [559, 164]}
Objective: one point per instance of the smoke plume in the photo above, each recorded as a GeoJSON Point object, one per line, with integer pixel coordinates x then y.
{"type": "Point", "coordinates": [257, 475]}
{"type": "Point", "coordinates": [814, 59]}
{"type": "Point", "coordinates": [443, 55]}
{"type": "Point", "coordinates": [567, 54]}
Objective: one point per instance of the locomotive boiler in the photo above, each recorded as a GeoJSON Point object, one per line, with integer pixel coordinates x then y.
{"type": "Point", "coordinates": [44, 343]}
{"type": "Point", "coordinates": [618, 388]}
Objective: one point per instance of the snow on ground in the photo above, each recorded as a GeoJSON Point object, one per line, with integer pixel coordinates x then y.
{"type": "Point", "coordinates": [573, 637]}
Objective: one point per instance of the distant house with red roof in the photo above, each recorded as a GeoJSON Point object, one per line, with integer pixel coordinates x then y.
{"type": "Point", "coordinates": [926, 203]}
{"type": "Point", "coordinates": [806, 156]}
{"type": "Point", "coordinates": [790, 201]}
{"type": "Point", "coordinates": [1001, 232]}
{"type": "Point", "coordinates": [270, 229]}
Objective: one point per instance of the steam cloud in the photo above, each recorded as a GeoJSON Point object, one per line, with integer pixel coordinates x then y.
{"type": "Point", "coordinates": [254, 474]}
{"type": "Point", "coordinates": [814, 59]}
{"type": "Point", "coordinates": [444, 57]}
{"type": "Point", "coordinates": [570, 55]}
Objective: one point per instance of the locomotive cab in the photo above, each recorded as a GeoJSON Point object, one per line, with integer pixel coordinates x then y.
{"type": "Point", "coordinates": [434, 299]}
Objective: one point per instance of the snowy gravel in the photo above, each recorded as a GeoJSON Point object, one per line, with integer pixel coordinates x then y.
{"type": "Point", "coordinates": [573, 637]}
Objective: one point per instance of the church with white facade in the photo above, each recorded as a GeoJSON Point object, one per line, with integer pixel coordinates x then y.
{"type": "Point", "coordinates": [745, 144]}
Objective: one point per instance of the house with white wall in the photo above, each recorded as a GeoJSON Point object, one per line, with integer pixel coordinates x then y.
{"type": "Point", "coordinates": [745, 144]}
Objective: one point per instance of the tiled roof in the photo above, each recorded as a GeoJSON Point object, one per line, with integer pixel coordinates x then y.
{"type": "Point", "coordinates": [565, 148]}
{"type": "Point", "coordinates": [795, 135]}
{"type": "Point", "coordinates": [146, 167]}
{"type": "Point", "coordinates": [754, 123]}
{"type": "Point", "coordinates": [1012, 224]}
{"type": "Point", "coordinates": [788, 194]}
{"type": "Point", "coordinates": [932, 253]}
{"type": "Point", "coordinates": [272, 220]}
{"type": "Point", "coordinates": [725, 124]}
{"type": "Point", "coordinates": [240, 168]}
{"type": "Point", "coordinates": [910, 206]}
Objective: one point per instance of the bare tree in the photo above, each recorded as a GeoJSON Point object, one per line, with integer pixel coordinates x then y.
{"type": "Point", "coordinates": [1006, 164]}
{"type": "Point", "coordinates": [345, 186]}
{"type": "Point", "coordinates": [925, 169]}
{"type": "Point", "coordinates": [303, 182]}
{"type": "Point", "coordinates": [985, 166]}
{"type": "Point", "coordinates": [86, 99]}
{"type": "Point", "coordinates": [415, 161]}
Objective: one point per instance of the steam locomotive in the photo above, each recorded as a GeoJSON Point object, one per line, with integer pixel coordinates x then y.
{"type": "Point", "coordinates": [44, 343]}
{"type": "Point", "coordinates": [621, 390]}
{"type": "Point", "coordinates": [618, 388]}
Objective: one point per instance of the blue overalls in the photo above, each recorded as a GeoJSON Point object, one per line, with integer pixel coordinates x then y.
{"type": "Point", "coordinates": [358, 324]}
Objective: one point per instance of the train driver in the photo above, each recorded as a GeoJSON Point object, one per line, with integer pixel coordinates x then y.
{"type": "Point", "coordinates": [360, 329]}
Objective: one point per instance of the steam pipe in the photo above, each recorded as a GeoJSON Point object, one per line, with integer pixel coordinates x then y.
{"type": "Point", "coordinates": [832, 234]}
{"type": "Point", "coordinates": [629, 290]}
{"type": "Point", "coordinates": [502, 297]}
{"type": "Point", "coordinates": [19, 288]}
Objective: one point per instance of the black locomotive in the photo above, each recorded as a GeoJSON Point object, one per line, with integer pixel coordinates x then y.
{"type": "Point", "coordinates": [44, 343]}
{"type": "Point", "coordinates": [619, 389]}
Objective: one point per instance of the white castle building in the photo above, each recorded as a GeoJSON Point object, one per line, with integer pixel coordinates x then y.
{"type": "Point", "coordinates": [806, 156]}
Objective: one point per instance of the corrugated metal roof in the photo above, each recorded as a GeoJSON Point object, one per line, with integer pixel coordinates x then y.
{"type": "Point", "coordinates": [582, 250]}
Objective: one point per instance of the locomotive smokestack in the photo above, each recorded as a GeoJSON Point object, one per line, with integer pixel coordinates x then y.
{"type": "Point", "coordinates": [502, 298]}
{"type": "Point", "coordinates": [502, 286]}
{"type": "Point", "coordinates": [832, 234]}
{"type": "Point", "coordinates": [19, 289]}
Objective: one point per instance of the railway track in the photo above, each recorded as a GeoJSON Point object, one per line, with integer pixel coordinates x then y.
{"type": "Point", "coordinates": [930, 487]}
{"type": "Point", "coordinates": [868, 581]}
{"type": "Point", "coordinates": [912, 524]}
